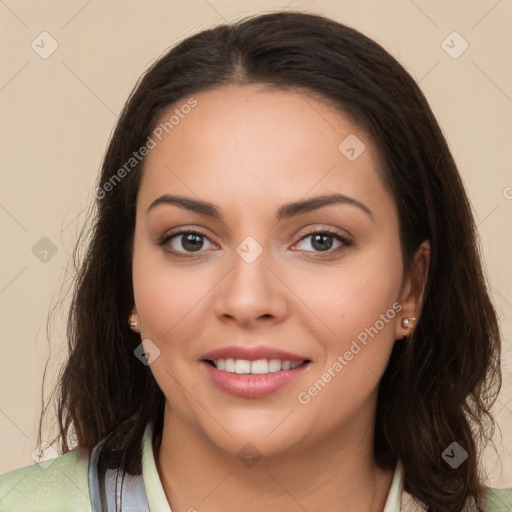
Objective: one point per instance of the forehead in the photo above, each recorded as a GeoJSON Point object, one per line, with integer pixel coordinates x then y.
{"type": "Point", "coordinates": [251, 146]}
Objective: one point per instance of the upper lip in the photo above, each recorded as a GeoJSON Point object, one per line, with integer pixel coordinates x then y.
{"type": "Point", "coordinates": [252, 354]}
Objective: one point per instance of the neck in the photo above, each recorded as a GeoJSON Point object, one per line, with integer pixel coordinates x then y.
{"type": "Point", "coordinates": [330, 475]}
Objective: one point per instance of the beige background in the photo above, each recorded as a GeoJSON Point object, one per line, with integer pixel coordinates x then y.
{"type": "Point", "coordinates": [57, 114]}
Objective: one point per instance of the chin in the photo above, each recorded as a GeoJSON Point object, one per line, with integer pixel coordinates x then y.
{"type": "Point", "coordinates": [256, 438]}
{"type": "Point", "coordinates": [255, 446]}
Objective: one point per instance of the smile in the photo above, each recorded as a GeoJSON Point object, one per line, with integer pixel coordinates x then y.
{"type": "Point", "coordinates": [253, 371]}
{"type": "Point", "coordinates": [258, 367]}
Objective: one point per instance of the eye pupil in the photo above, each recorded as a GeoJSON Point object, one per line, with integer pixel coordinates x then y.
{"type": "Point", "coordinates": [321, 239]}
{"type": "Point", "coordinates": [194, 240]}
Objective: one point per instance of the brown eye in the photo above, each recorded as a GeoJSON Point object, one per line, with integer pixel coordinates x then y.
{"type": "Point", "coordinates": [324, 239]}
{"type": "Point", "coordinates": [191, 242]}
{"type": "Point", "coordinates": [322, 242]}
{"type": "Point", "coordinates": [184, 242]}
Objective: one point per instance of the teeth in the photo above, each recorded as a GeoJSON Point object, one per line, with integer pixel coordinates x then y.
{"type": "Point", "coordinates": [274, 365]}
{"type": "Point", "coordinates": [258, 367]}
{"type": "Point", "coordinates": [230, 366]}
{"type": "Point", "coordinates": [242, 366]}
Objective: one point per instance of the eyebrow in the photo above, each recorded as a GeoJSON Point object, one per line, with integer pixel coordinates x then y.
{"type": "Point", "coordinates": [286, 211]}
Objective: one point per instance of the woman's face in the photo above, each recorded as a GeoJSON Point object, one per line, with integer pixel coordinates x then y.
{"type": "Point", "coordinates": [255, 283]}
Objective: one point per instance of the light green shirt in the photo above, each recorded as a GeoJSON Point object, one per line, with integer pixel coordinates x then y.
{"type": "Point", "coordinates": [61, 485]}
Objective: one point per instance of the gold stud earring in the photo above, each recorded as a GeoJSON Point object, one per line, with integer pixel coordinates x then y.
{"type": "Point", "coordinates": [407, 324]}
{"type": "Point", "coordinates": [132, 322]}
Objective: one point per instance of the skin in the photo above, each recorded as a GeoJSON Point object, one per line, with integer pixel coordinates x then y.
{"type": "Point", "coordinates": [250, 149]}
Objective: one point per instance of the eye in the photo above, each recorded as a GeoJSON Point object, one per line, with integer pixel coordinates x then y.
{"type": "Point", "coordinates": [184, 243]}
{"type": "Point", "coordinates": [322, 240]}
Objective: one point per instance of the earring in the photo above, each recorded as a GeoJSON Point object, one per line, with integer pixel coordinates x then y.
{"type": "Point", "coordinates": [134, 325]}
{"type": "Point", "coordinates": [407, 324]}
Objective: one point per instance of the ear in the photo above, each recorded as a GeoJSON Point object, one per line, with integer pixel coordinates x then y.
{"type": "Point", "coordinates": [133, 320]}
{"type": "Point", "coordinates": [413, 289]}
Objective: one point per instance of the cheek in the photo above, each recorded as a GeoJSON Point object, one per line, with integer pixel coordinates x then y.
{"type": "Point", "coordinates": [168, 300]}
{"type": "Point", "coordinates": [358, 308]}
{"type": "Point", "coordinates": [167, 295]}
{"type": "Point", "coordinates": [352, 297]}
{"type": "Point", "coordinates": [372, 311]}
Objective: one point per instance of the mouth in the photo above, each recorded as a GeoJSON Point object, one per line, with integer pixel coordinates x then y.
{"type": "Point", "coordinates": [253, 371]}
{"type": "Point", "coordinates": [253, 378]}
{"type": "Point", "coordinates": [256, 367]}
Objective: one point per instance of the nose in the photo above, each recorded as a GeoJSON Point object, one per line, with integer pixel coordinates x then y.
{"type": "Point", "coordinates": [252, 293]}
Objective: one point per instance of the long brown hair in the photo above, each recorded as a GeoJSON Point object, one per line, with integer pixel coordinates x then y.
{"type": "Point", "coordinates": [439, 386]}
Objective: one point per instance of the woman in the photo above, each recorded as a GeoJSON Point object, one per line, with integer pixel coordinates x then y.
{"type": "Point", "coordinates": [282, 306]}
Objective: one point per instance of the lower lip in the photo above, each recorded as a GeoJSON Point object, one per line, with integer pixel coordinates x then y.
{"type": "Point", "coordinates": [250, 385]}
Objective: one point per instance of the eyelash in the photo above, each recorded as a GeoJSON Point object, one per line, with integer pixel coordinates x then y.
{"type": "Point", "coordinates": [346, 242]}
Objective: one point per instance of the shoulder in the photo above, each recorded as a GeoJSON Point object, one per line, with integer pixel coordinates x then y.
{"type": "Point", "coordinates": [498, 500]}
{"type": "Point", "coordinates": [55, 485]}
{"type": "Point", "coordinates": [493, 500]}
